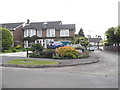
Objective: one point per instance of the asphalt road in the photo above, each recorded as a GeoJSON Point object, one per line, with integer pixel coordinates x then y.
{"type": "Point", "coordinates": [103, 74]}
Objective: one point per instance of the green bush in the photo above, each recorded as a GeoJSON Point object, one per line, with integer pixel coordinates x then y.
{"type": "Point", "coordinates": [32, 55]}
{"type": "Point", "coordinates": [24, 49]}
{"type": "Point", "coordinates": [83, 55]}
{"type": "Point", "coordinates": [37, 48]}
{"type": "Point", "coordinates": [14, 50]}
{"type": "Point", "coordinates": [48, 53]}
{"type": "Point", "coordinates": [7, 39]}
{"type": "Point", "coordinates": [18, 47]}
{"type": "Point", "coordinates": [7, 51]}
{"type": "Point", "coordinates": [57, 57]}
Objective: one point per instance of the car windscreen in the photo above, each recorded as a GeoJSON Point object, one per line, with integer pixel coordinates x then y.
{"type": "Point", "coordinates": [57, 43]}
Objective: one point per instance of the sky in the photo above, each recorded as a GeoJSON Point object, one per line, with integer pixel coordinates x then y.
{"type": "Point", "coordinates": [93, 16]}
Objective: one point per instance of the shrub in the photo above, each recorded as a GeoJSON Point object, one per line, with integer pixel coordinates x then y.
{"type": "Point", "coordinates": [67, 52]}
{"type": "Point", "coordinates": [7, 38]}
{"type": "Point", "coordinates": [18, 47]}
{"type": "Point", "coordinates": [37, 48]}
{"type": "Point", "coordinates": [7, 51]}
{"type": "Point", "coordinates": [32, 55]}
{"type": "Point", "coordinates": [14, 50]}
{"type": "Point", "coordinates": [83, 55]}
{"type": "Point", "coordinates": [48, 53]}
{"type": "Point", "coordinates": [79, 46]}
{"type": "Point", "coordinates": [24, 49]}
{"type": "Point", "coordinates": [57, 57]}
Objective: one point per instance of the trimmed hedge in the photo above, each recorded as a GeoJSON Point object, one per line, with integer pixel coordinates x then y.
{"type": "Point", "coordinates": [7, 38]}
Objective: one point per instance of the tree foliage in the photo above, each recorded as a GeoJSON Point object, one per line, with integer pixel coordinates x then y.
{"type": "Point", "coordinates": [82, 40]}
{"type": "Point", "coordinates": [113, 35]}
{"type": "Point", "coordinates": [7, 38]}
{"type": "Point", "coordinates": [81, 33]}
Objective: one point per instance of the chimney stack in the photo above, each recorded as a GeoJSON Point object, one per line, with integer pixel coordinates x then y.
{"type": "Point", "coordinates": [28, 21]}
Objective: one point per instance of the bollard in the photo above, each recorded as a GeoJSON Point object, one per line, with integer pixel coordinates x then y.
{"type": "Point", "coordinates": [27, 52]}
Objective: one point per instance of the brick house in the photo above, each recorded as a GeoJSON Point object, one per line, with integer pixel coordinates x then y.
{"type": "Point", "coordinates": [16, 31]}
{"type": "Point", "coordinates": [48, 31]}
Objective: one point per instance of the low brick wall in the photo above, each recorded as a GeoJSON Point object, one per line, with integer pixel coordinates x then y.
{"type": "Point", "coordinates": [112, 48]}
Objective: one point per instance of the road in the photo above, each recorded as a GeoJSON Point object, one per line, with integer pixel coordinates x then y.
{"type": "Point", "coordinates": [103, 74]}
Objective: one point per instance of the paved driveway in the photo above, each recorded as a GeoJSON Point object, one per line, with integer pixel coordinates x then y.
{"type": "Point", "coordinates": [16, 54]}
{"type": "Point", "coordinates": [103, 74]}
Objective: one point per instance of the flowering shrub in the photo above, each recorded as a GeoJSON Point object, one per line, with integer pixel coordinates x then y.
{"type": "Point", "coordinates": [18, 47]}
{"type": "Point", "coordinates": [67, 52]}
{"type": "Point", "coordinates": [83, 55]}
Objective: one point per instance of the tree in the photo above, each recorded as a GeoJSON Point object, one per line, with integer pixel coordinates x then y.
{"type": "Point", "coordinates": [117, 34]}
{"type": "Point", "coordinates": [81, 33]}
{"type": "Point", "coordinates": [7, 38]}
{"type": "Point", "coordinates": [113, 35]}
{"type": "Point", "coordinates": [82, 40]}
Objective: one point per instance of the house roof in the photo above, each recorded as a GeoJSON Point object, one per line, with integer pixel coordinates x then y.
{"type": "Point", "coordinates": [11, 26]}
{"type": "Point", "coordinates": [43, 25]}
{"type": "Point", "coordinates": [49, 25]}
{"type": "Point", "coordinates": [66, 26]}
{"type": "Point", "coordinates": [95, 39]}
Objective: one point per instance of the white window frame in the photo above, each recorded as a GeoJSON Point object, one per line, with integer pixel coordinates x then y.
{"type": "Point", "coordinates": [39, 33]}
{"type": "Point", "coordinates": [50, 32]}
{"type": "Point", "coordinates": [63, 32]}
{"type": "Point", "coordinates": [25, 33]}
{"type": "Point", "coordinates": [29, 32]}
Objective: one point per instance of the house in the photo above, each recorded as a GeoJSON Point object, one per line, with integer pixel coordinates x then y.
{"type": "Point", "coordinates": [95, 42]}
{"type": "Point", "coordinates": [16, 31]}
{"type": "Point", "coordinates": [48, 31]}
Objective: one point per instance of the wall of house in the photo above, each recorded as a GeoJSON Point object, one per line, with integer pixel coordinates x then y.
{"type": "Point", "coordinates": [44, 33]}
{"type": "Point", "coordinates": [18, 35]}
{"type": "Point", "coordinates": [57, 33]}
{"type": "Point", "coordinates": [71, 32]}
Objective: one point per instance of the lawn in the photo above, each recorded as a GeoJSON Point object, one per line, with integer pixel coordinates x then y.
{"type": "Point", "coordinates": [31, 62]}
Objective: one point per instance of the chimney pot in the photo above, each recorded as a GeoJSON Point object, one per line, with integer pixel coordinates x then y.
{"type": "Point", "coordinates": [28, 21]}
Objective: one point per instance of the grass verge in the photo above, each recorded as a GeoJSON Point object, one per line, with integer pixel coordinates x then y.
{"type": "Point", "coordinates": [31, 62]}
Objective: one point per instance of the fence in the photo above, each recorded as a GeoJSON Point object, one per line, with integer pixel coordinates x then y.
{"type": "Point", "coordinates": [112, 48]}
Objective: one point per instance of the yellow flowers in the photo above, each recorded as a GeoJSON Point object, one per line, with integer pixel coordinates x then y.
{"type": "Point", "coordinates": [67, 52]}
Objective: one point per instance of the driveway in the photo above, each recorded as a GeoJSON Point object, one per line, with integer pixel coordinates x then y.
{"type": "Point", "coordinates": [103, 74]}
{"type": "Point", "coordinates": [16, 54]}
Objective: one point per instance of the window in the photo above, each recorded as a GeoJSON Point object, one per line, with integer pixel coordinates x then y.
{"type": "Point", "coordinates": [29, 32]}
{"type": "Point", "coordinates": [64, 32]}
{"type": "Point", "coordinates": [39, 33]}
{"type": "Point", "coordinates": [50, 32]}
{"type": "Point", "coordinates": [25, 33]}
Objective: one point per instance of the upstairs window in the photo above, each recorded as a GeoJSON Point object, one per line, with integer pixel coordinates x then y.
{"type": "Point", "coordinates": [25, 33]}
{"type": "Point", "coordinates": [29, 32]}
{"type": "Point", "coordinates": [39, 33]}
{"type": "Point", "coordinates": [50, 32]}
{"type": "Point", "coordinates": [64, 32]}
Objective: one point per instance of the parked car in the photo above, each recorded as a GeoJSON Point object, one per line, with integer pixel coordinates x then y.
{"type": "Point", "coordinates": [91, 48]}
{"type": "Point", "coordinates": [54, 45]}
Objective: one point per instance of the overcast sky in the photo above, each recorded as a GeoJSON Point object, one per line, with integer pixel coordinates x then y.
{"type": "Point", "coordinates": [94, 16]}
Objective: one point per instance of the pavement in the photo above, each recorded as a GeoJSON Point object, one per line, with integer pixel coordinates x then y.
{"type": "Point", "coordinates": [15, 54]}
{"type": "Point", "coordinates": [63, 63]}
